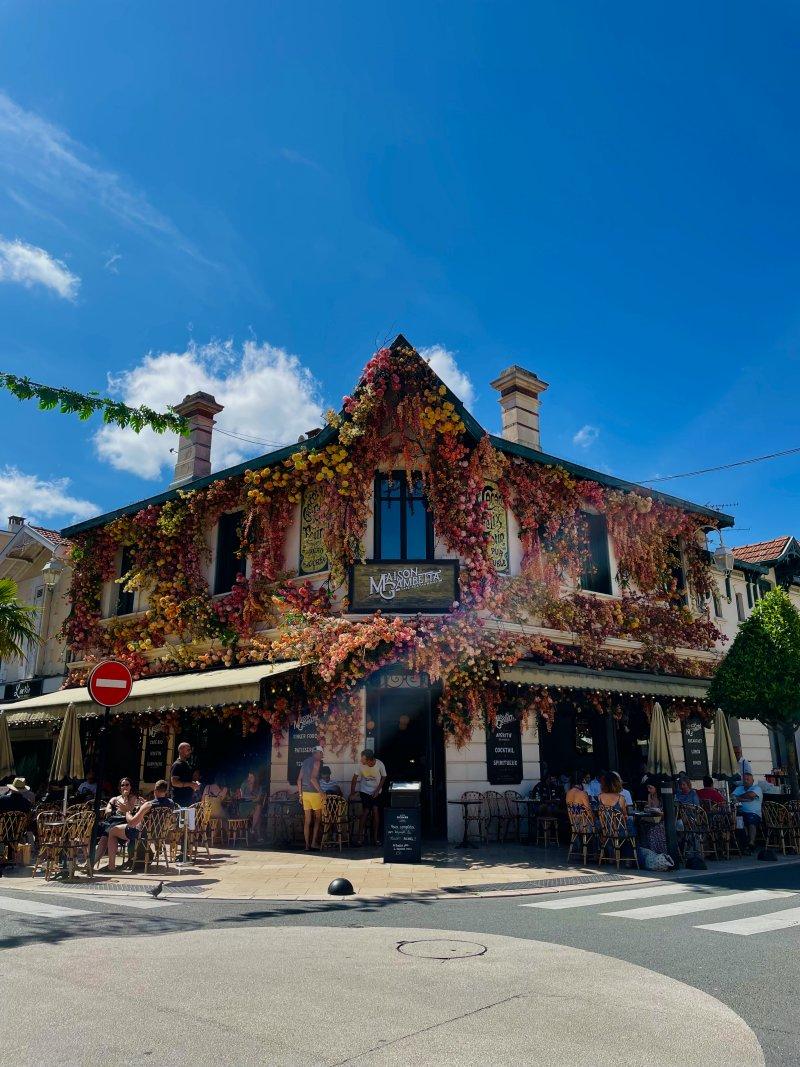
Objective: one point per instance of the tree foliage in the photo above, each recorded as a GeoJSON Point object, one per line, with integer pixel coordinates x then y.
{"type": "Point", "coordinates": [760, 676]}
{"type": "Point", "coordinates": [84, 405]}
{"type": "Point", "coordinates": [17, 621]}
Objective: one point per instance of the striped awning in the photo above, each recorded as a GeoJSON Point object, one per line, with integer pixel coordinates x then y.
{"type": "Point", "coordinates": [153, 694]}
{"type": "Point", "coordinates": [610, 681]}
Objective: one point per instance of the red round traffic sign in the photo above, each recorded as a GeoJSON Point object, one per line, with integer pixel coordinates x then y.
{"type": "Point", "coordinates": [110, 683]}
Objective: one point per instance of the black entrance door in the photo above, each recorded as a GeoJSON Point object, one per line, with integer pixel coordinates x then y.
{"type": "Point", "coordinates": [410, 744]}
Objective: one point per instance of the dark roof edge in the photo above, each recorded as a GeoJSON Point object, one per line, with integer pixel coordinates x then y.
{"type": "Point", "coordinates": [745, 565]}
{"type": "Point", "coordinates": [607, 479]}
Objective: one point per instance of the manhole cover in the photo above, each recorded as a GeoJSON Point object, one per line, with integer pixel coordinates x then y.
{"type": "Point", "coordinates": [441, 949]}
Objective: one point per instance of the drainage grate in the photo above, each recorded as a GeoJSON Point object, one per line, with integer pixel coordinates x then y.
{"type": "Point", "coordinates": [441, 949]}
{"type": "Point", "coordinates": [133, 887]}
{"type": "Point", "coordinates": [540, 883]}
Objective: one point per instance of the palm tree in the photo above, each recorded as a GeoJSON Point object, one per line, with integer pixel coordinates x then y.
{"type": "Point", "coordinates": [17, 623]}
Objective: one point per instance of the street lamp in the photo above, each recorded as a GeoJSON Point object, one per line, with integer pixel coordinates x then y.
{"type": "Point", "coordinates": [51, 572]}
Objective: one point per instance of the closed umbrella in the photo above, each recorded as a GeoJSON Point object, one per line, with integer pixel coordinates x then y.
{"type": "Point", "coordinates": [724, 765]}
{"type": "Point", "coordinates": [661, 765]}
{"type": "Point", "coordinates": [68, 758]}
{"type": "Point", "coordinates": [7, 769]}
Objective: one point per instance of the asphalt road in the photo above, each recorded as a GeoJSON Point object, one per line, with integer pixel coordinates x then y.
{"type": "Point", "coordinates": [709, 935]}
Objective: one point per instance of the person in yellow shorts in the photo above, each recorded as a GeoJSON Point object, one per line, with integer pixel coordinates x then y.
{"type": "Point", "coordinates": [311, 796]}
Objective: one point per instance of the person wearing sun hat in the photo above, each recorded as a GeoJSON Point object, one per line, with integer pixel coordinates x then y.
{"type": "Point", "coordinates": [16, 796]}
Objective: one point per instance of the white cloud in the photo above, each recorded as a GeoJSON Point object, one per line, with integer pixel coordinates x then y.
{"type": "Point", "coordinates": [443, 362]}
{"type": "Point", "coordinates": [41, 499]}
{"type": "Point", "coordinates": [28, 265]}
{"type": "Point", "coordinates": [586, 436]}
{"type": "Point", "coordinates": [268, 395]}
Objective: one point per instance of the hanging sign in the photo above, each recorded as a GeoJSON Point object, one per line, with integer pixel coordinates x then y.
{"type": "Point", "coordinates": [497, 527]}
{"type": "Point", "coordinates": [303, 739]}
{"type": "Point", "coordinates": [404, 588]}
{"type": "Point", "coordinates": [155, 754]}
{"type": "Point", "coordinates": [695, 753]}
{"type": "Point", "coordinates": [504, 750]}
{"type": "Point", "coordinates": [313, 557]}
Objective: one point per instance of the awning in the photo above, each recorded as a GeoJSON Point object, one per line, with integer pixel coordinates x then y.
{"type": "Point", "coordinates": [167, 691]}
{"type": "Point", "coordinates": [626, 682]}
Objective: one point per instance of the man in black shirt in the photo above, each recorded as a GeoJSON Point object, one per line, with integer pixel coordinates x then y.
{"type": "Point", "coordinates": [182, 777]}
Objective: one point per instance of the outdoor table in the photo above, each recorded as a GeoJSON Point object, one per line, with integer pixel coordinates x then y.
{"type": "Point", "coordinates": [464, 805]}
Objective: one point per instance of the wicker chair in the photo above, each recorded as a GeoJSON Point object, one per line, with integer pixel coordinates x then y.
{"type": "Point", "coordinates": [77, 844]}
{"type": "Point", "coordinates": [516, 812]}
{"type": "Point", "coordinates": [159, 834]}
{"type": "Point", "coordinates": [473, 812]}
{"type": "Point", "coordinates": [614, 835]}
{"type": "Point", "coordinates": [49, 841]}
{"type": "Point", "coordinates": [495, 811]}
{"type": "Point", "coordinates": [780, 827]}
{"type": "Point", "coordinates": [13, 827]}
{"type": "Point", "coordinates": [694, 835]}
{"type": "Point", "coordinates": [583, 834]}
{"type": "Point", "coordinates": [202, 834]}
{"type": "Point", "coordinates": [723, 829]}
{"type": "Point", "coordinates": [335, 822]}
{"type": "Point", "coordinates": [238, 830]}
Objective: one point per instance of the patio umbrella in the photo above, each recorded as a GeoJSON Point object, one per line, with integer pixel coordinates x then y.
{"type": "Point", "coordinates": [661, 765]}
{"type": "Point", "coordinates": [724, 765]}
{"type": "Point", "coordinates": [67, 758]}
{"type": "Point", "coordinates": [6, 755]}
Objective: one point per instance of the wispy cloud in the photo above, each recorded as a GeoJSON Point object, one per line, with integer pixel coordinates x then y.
{"type": "Point", "coordinates": [267, 393]}
{"type": "Point", "coordinates": [292, 156]}
{"type": "Point", "coordinates": [443, 362]}
{"type": "Point", "coordinates": [111, 263]}
{"type": "Point", "coordinates": [586, 436]}
{"type": "Point", "coordinates": [41, 499]}
{"type": "Point", "coordinates": [28, 265]}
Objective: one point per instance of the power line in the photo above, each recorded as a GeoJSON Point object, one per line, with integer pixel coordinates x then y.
{"type": "Point", "coordinates": [250, 440]}
{"type": "Point", "coordinates": [721, 467]}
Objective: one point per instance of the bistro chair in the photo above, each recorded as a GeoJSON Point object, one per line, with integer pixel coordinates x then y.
{"type": "Point", "coordinates": [50, 841]}
{"type": "Point", "coordinates": [694, 832]}
{"type": "Point", "coordinates": [201, 836]}
{"type": "Point", "coordinates": [780, 828]}
{"type": "Point", "coordinates": [159, 834]}
{"type": "Point", "coordinates": [547, 828]}
{"type": "Point", "coordinates": [473, 812]}
{"type": "Point", "coordinates": [516, 812]}
{"type": "Point", "coordinates": [77, 842]}
{"type": "Point", "coordinates": [335, 822]}
{"type": "Point", "coordinates": [614, 836]}
{"type": "Point", "coordinates": [583, 834]}
{"type": "Point", "coordinates": [279, 813]}
{"type": "Point", "coordinates": [13, 827]}
{"type": "Point", "coordinates": [723, 829]}
{"type": "Point", "coordinates": [238, 831]}
{"type": "Point", "coordinates": [495, 811]}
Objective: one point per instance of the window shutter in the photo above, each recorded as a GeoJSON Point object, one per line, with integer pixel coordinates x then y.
{"type": "Point", "coordinates": [229, 563]}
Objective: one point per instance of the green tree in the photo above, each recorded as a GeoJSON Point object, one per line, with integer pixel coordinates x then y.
{"type": "Point", "coordinates": [760, 676]}
{"type": "Point", "coordinates": [17, 623]}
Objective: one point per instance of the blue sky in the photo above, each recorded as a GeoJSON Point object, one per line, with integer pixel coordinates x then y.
{"type": "Point", "coordinates": [251, 197]}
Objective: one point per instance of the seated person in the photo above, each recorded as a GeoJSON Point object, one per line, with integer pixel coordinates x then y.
{"type": "Point", "coordinates": [709, 794]}
{"type": "Point", "coordinates": [134, 820]}
{"type": "Point", "coordinates": [770, 784]}
{"type": "Point", "coordinates": [594, 786]}
{"type": "Point", "coordinates": [748, 797]}
{"type": "Point", "coordinates": [215, 796]}
{"type": "Point", "coordinates": [611, 797]}
{"type": "Point", "coordinates": [326, 785]}
{"type": "Point", "coordinates": [624, 793]}
{"type": "Point", "coordinates": [16, 796]}
{"type": "Point", "coordinates": [687, 794]}
{"type": "Point", "coordinates": [126, 802]}
{"type": "Point", "coordinates": [87, 789]}
{"type": "Point", "coordinates": [577, 798]}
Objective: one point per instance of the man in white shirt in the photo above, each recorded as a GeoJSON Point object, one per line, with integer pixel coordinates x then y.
{"type": "Point", "coordinates": [368, 783]}
{"type": "Point", "coordinates": [744, 764]}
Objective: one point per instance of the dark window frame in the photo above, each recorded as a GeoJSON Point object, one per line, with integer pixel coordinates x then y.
{"type": "Point", "coordinates": [125, 599]}
{"type": "Point", "coordinates": [228, 565]}
{"type": "Point", "coordinates": [596, 575]}
{"type": "Point", "coordinates": [402, 478]}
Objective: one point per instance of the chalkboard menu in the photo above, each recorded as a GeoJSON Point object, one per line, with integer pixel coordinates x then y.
{"type": "Point", "coordinates": [504, 750]}
{"type": "Point", "coordinates": [303, 740]}
{"type": "Point", "coordinates": [155, 755]}
{"type": "Point", "coordinates": [402, 835]}
{"type": "Point", "coordinates": [695, 752]}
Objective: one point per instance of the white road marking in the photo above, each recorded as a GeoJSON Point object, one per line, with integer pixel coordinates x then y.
{"type": "Point", "coordinates": [706, 903]}
{"type": "Point", "coordinates": [39, 909]}
{"type": "Point", "coordinates": [757, 924]}
{"type": "Point", "coordinates": [585, 900]}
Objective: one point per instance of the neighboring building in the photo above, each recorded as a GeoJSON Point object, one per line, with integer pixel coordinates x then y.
{"type": "Point", "coordinates": [551, 600]}
{"type": "Point", "coordinates": [37, 559]}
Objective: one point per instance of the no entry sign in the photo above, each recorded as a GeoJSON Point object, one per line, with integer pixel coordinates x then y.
{"type": "Point", "coordinates": [110, 683]}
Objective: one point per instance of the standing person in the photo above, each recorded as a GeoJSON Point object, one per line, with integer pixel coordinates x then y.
{"type": "Point", "coordinates": [182, 777]}
{"type": "Point", "coordinates": [748, 797]}
{"type": "Point", "coordinates": [368, 783]}
{"type": "Point", "coordinates": [311, 796]}
{"type": "Point", "coordinates": [250, 804]}
{"type": "Point", "coordinates": [744, 764]}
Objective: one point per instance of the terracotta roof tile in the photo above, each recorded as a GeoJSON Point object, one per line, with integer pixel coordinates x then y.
{"type": "Point", "coordinates": [761, 551]}
{"type": "Point", "coordinates": [53, 536]}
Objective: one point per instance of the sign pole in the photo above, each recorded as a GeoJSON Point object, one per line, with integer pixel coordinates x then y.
{"type": "Point", "coordinates": [109, 685]}
{"type": "Point", "coordinates": [101, 774]}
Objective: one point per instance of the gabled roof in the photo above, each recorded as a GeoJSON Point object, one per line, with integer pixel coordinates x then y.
{"type": "Point", "coordinates": [473, 428]}
{"type": "Point", "coordinates": [26, 545]}
{"type": "Point", "coordinates": [53, 536]}
{"type": "Point", "coordinates": [766, 552]}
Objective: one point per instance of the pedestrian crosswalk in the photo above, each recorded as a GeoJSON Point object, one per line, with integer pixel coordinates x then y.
{"type": "Point", "coordinates": [45, 909]}
{"type": "Point", "coordinates": [695, 899]}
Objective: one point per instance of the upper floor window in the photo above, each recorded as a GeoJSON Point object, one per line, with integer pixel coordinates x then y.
{"type": "Point", "coordinates": [403, 524]}
{"type": "Point", "coordinates": [740, 612]}
{"type": "Point", "coordinates": [125, 598]}
{"type": "Point", "coordinates": [229, 564]}
{"type": "Point", "coordinates": [596, 575]}
{"type": "Point", "coordinates": [717, 605]}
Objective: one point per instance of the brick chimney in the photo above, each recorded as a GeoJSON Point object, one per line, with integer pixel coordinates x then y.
{"type": "Point", "coordinates": [519, 391]}
{"type": "Point", "coordinates": [194, 450]}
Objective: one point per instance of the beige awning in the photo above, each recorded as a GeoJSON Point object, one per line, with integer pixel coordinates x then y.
{"type": "Point", "coordinates": [151, 694]}
{"type": "Point", "coordinates": [654, 685]}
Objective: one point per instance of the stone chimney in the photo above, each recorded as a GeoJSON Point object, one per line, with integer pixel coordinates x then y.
{"type": "Point", "coordinates": [194, 450]}
{"type": "Point", "coordinates": [15, 521]}
{"type": "Point", "coordinates": [519, 391]}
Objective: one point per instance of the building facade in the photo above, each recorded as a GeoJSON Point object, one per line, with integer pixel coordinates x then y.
{"type": "Point", "coordinates": [471, 608]}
